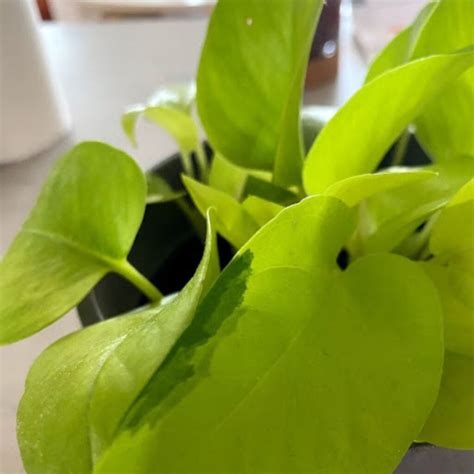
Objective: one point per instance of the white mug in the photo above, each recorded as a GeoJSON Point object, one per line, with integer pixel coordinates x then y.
{"type": "Point", "coordinates": [33, 114]}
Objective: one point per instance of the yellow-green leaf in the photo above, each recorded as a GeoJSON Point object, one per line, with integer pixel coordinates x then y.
{"type": "Point", "coordinates": [80, 388]}
{"type": "Point", "coordinates": [82, 227]}
{"type": "Point", "coordinates": [356, 138]}
{"type": "Point", "coordinates": [355, 189]}
{"type": "Point", "coordinates": [250, 82]}
{"type": "Point", "coordinates": [451, 423]}
{"type": "Point", "coordinates": [446, 127]}
{"type": "Point", "coordinates": [292, 365]}
{"type": "Point", "coordinates": [260, 209]}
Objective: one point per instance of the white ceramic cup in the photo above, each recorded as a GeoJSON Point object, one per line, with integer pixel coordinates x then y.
{"type": "Point", "coordinates": [33, 114]}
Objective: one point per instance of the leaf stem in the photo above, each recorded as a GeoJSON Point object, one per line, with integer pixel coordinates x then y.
{"type": "Point", "coordinates": [194, 218]}
{"type": "Point", "coordinates": [423, 250]}
{"type": "Point", "coordinates": [128, 271]}
{"type": "Point", "coordinates": [202, 162]}
{"type": "Point", "coordinates": [187, 163]}
{"type": "Point", "coordinates": [401, 148]}
{"type": "Point", "coordinates": [416, 247]}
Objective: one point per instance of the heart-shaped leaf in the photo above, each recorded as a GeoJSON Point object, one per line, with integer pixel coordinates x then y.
{"type": "Point", "coordinates": [452, 270]}
{"type": "Point", "coordinates": [356, 139]}
{"type": "Point", "coordinates": [251, 78]}
{"type": "Point", "coordinates": [292, 365]}
{"type": "Point", "coordinates": [82, 227]}
{"type": "Point", "coordinates": [80, 388]}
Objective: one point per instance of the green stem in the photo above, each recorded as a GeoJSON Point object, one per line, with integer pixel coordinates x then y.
{"type": "Point", "coordinates": [401, 148]}
{"type": "Point", "coordinates": [423, 250]}
{"type": "Point", "coordinates": [202, 162]}
{"type": "Point", "coordinates": [194, 218]}
{"type": "Point", "coordinates": [129, 272]}
{"type": "Point", "coordinates": [424, 253]}
{"type": "Point", "coordinates": [187, 163]}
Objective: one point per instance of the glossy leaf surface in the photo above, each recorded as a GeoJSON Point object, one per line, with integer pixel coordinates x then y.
{"type": "Point", "coordinates": [250, 82]}
{"type": "Point", "coordinates": [81, 387]}
{"type": "Point", "coordinates": [292, 365]}
{"type": "Point", "coordinates": [82, 227]}
{"type": "Point", "coordinates": [356, 138]}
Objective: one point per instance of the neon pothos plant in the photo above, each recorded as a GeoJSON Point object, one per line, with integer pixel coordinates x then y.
{"type": "Point", "coordinates": [282, 361]}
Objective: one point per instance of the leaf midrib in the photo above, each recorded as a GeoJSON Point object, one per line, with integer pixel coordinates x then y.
{"type": "Point", "coordinates": [301, 58]}
{"type": "Point", "coordinates": [109, 261]}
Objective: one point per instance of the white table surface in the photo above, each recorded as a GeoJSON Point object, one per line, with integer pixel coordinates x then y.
{"type": "Point", "coordinates": [103, 68]}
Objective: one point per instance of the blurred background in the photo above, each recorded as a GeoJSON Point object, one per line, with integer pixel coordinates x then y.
{"type": "Point", "coordinates": [112, 53]}
{"type": "Point", "coordinates": [376, 21]}
{"type": "Point", "coordinates": [69, 68]}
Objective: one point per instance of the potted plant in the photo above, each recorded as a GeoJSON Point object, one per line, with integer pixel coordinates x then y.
{"type": "Point", "coordinates": [339, 333]}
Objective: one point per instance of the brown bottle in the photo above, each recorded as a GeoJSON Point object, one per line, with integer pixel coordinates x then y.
{"type": "Point", "coordinates": [323, 57]}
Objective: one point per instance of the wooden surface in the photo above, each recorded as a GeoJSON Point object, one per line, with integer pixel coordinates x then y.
{"type": "Point", "coordinates": [103, 68]}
